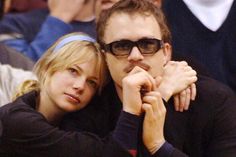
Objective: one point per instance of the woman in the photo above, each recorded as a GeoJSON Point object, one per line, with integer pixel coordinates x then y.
{"type": "Point", "coordinates": [69, 74]}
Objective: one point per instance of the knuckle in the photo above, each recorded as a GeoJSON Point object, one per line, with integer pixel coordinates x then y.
{"type": "Point", "coordinates": [183, 93]}
{"type": "Point", "coordinates": [184, 63]}
{"type": "Point", "coordinates": [188, 91]}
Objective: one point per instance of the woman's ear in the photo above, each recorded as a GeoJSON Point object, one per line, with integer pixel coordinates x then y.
{"type": "Point", "coordinates": [167, 50]}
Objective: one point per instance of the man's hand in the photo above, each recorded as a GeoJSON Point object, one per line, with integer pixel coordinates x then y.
{"type": "Point", "coordinates": [153, 125]}
{"type": "Point", "coordinates": [65, 10]}
{"type": "Point", "coordinates": [134, 84]}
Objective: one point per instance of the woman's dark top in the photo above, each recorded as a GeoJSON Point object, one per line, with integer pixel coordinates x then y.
{"type": "Point", "coordinates": [26, 132]}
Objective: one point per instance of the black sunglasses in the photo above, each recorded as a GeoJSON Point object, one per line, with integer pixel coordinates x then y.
{"type": "Point", "coordinates": [146, 46]}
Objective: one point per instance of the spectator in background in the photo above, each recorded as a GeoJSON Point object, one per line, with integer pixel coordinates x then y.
{"type": "Point", "coordinates": [33, 32]}
{"type": "Point", "coordinates": [205, 31]}
{"type": "Point", "coordinates": [2, 8]}
{"type": "Point", "coordinates": [17, 6]}
{"type": "Point", "coordinates": [13, 58]}
{"type": "Point", "coordinates": [12, 74]}
{"type": "Point", "coordinates": [10, 79]}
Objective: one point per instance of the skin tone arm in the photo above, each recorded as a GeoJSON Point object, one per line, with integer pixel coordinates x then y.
{"type": "Point", "coordinates": [179, 81]}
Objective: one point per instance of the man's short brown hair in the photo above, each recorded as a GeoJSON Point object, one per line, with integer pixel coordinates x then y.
{"type": "Point", "coordinates": [142, 7]}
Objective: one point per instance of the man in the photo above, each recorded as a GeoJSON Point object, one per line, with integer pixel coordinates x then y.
{"type": "Point", "coordinates": [32, 33]}
{"type": "Point", "coordinates": [102, 5]}
{"type": "Point", "coordinates": [131, 33]}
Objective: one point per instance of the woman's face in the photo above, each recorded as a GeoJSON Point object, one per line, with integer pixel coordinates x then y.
{"type": "Point", "coordinates": [72, 89]}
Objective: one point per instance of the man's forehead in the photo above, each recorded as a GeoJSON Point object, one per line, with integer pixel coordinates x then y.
{"type": "Point", "coordinates": [132, 27]}
{"type": "Point", "coordinates": [125, 17]}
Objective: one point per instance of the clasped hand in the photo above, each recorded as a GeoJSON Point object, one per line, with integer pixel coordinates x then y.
{"type": "Point", "coordinates": [178, 80]}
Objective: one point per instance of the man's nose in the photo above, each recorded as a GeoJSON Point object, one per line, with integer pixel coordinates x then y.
{"type": "Point", "coordinates": [135, 54]}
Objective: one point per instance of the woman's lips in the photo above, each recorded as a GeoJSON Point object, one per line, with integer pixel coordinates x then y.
{"type": "Point", "coordinates": [72, 98]}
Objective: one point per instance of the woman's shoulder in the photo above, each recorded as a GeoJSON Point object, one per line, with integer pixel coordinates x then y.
{"type": "Point", "coordinates": [19, 111]}
{"type": "Point", "coordinates": [20, 117]}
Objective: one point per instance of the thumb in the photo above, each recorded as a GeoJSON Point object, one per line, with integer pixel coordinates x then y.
{"type": "Point", "coordinates": [158, 80]}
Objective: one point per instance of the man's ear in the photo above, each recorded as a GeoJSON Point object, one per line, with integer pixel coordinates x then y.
{"type": "Point", "coordinates": [167, 50]}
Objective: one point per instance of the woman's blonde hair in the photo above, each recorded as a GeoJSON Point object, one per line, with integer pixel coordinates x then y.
{"type": "Point", "coordinates": [67, 55]}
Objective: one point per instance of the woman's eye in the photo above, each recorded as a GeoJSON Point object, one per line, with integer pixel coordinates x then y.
{"type": "Point", "coordinates": [73, 71]}
{"type": "Point", "coordinates": [92, 83]}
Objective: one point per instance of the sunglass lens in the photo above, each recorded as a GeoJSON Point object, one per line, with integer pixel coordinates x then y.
{"type": "Point", "coordinates": [122, 47]}
{"type": "Point", "coordinates": [149, 46]}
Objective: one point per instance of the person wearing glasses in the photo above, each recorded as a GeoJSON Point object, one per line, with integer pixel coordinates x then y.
{"type": "Point", "coordinates": [136, 43]}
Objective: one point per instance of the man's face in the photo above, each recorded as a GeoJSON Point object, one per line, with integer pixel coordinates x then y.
{"type": "Point", "coordinates": [134, 27]}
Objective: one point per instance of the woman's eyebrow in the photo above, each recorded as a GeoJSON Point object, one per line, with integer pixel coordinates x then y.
{"type": "Point", "coordinates": [81, 70]}
{"type": "Point", "coordinates": [78, 68]}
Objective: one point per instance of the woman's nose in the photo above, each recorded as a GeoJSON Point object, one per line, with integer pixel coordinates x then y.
{"type": "Point", "coordinates": [79, 84]}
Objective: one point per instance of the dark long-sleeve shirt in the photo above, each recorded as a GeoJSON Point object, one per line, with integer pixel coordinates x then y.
{"type": "Point", "coordinates": [26, 132]}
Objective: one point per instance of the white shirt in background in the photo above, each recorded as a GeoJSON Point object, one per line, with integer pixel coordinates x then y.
{"type": "Point", "coordinates": [211, 13]}
{"type": "Point", "coordinates": [10, 79]}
